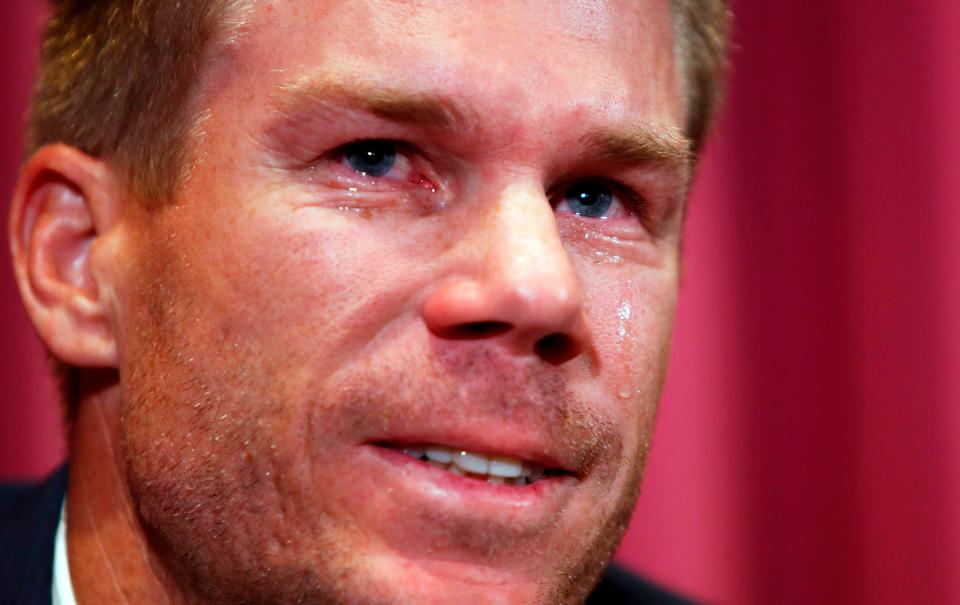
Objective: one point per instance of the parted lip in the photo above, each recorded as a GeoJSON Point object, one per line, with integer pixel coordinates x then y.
{"type": "Point", "coordinates": [471, 501]}
{"type": "Point", "coordinates": [501, 440]}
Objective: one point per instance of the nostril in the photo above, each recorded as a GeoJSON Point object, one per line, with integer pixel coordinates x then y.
{"type": "Point", "coordinates": [476, 330]}
{"type": "Point", "coordinates": [556, 348]}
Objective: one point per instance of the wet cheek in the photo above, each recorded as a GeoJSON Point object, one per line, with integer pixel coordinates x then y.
{"type": "Point", "coordinates": [631, 314]}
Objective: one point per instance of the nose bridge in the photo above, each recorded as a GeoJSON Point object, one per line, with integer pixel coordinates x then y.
{"type": "Point", "coordinates": [525, 264]}
{"type": "Point", "coordinates": [515, 282]}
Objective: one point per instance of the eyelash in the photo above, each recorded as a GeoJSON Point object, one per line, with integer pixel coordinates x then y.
{"type": "Point", "coordinates": [400, 150]}
{"type": "Point", "coordinates": [634, 204]}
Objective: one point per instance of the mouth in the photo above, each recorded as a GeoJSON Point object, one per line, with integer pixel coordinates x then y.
{"type": "Point", "coordinates": [461, 490]}
{"type": "Point", "coordinates": [490, 468]}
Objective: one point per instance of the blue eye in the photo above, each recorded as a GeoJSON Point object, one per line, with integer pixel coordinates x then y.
{"type": "Point", "coordinates": [589, 198]}
{"type": "Point", "coordinates": [371, 158]}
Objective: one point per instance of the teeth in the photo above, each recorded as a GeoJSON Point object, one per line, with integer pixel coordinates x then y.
{"type": "Point", "coordinates": [439, 454]}
{"type": "Point", "coordinates": [498, 470]}
{"type": "Point", "coordinates": [412, 453]}
{"type": "Point", "coordinates": [506, 467]}
{"type": "Point", "coordinates": [472, 463]}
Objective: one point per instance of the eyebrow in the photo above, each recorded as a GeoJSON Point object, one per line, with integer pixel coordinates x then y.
{"type": "Point", "coordinates": [639, 144]}
{"type": "Point", "coordinates": [395, 105]}
{"type": "Point", "coordinates": [642, 145]}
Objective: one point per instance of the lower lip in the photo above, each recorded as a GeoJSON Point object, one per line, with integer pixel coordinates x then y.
{"type": "Point", "coordinates": [474, 490]}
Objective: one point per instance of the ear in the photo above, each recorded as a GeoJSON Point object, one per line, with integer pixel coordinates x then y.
{"type": "Point", "coordinates": [63, 202]}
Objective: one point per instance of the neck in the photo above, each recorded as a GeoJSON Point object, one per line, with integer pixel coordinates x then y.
{"type": "Point", "coordinates": [110, 558]}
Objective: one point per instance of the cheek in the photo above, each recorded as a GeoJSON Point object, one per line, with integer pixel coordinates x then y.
{"type": "Point", "coordinates": [290, 290]}
{"type": "Point", "coordinates": [223, 333]}
{"type": "Point", "coordinates": [234, 324]}
{"type": "Point", "coordinates": [631, 312]}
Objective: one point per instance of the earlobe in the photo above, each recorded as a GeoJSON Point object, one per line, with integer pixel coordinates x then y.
{"type": "Point", "coordinates": [64, 201]}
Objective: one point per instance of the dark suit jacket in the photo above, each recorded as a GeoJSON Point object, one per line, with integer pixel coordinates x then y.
{"type": "Point", "coordinates": [28, 522]}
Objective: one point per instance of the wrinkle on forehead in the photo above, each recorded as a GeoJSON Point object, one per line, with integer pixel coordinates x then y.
{"type": "Point", "coordinates": [563, 64]}
{"type": "Point", "coordinates": [587, 20]}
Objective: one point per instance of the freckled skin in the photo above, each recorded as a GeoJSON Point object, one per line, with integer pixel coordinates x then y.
{"type": "Point", "coordinates": [263, 338]}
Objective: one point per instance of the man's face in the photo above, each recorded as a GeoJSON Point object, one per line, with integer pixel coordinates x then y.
{"type": "Point", "coordinates": [408, 225]}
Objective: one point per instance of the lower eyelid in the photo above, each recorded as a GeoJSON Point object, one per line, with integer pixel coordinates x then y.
{"type": "Point", "coordinates": [377, 191]}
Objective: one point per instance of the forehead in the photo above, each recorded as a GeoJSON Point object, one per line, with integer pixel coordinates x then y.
{"type": "Point", "coordinates": [609, 59]}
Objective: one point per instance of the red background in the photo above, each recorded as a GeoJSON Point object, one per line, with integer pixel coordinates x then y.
{"type": "Point", "coordinates": [808, 448]}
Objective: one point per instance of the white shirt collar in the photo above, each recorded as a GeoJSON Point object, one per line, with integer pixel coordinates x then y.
{"type": "Point", "coordinates": [62, 589]}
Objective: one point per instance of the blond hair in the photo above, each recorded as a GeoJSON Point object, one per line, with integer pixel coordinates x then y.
{"type": "Point", "coordinates": [115, 81]}
{"type": "Point", "coordinates": [702, 34]}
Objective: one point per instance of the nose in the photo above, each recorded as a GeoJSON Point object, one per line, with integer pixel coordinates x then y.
{"type": "Point", "coordinates": [513, 284]}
